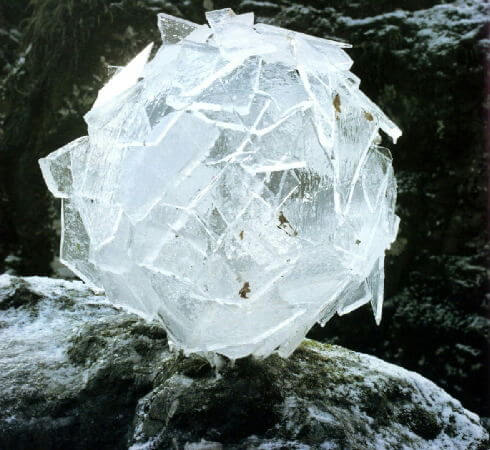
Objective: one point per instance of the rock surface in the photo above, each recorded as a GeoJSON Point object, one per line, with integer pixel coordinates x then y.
{"type": "Point", "coordinates": [78, 373]}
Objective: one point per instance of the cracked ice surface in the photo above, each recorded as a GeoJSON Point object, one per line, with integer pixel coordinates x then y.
{"type": "Point", "coordinates": [231, 187]}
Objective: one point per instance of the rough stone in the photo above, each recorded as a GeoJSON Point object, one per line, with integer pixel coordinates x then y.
{"type": "Point", "coordinates": [81, 374]}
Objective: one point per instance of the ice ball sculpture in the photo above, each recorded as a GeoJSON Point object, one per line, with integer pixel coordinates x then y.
{"type": "Point", "coordinates": [231, 187]}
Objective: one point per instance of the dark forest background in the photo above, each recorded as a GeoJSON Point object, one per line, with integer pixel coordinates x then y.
{"type": "Point", "coordinates": [423, 61]}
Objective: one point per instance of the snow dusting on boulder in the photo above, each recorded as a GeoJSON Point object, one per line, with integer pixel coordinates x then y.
{"type": "Point", "coordinates": [78, 373]}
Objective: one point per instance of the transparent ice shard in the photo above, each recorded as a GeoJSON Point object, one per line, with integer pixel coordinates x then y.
{"type": "Point", "coordinates": [220, 16]}
{"type": "Point", "coordinates": [231, 187]}
{"type": "Point", "coordinates": [235, 35]}
{"type": "Point", "coordinates": [56, 168]}
{"type": "Point", "coordinates": [173, 29]}
{"type": "Point", "coordinates": [75, 246]}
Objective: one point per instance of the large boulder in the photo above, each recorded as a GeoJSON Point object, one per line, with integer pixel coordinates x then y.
{"type": "Point", "coordinates": [79, 373]}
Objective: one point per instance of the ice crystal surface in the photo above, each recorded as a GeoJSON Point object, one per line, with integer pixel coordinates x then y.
{"type": "Point", "coordinates": [231, 187]}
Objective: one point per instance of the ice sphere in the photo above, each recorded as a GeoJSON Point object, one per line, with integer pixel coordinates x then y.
{"type": "Point", "coordinates": [231, 187]}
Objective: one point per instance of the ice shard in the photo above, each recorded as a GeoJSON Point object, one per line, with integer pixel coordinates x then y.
{"type": "Point", "coordinates": [231, 187]}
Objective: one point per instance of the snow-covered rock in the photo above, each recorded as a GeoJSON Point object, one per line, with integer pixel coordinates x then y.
{"type": "Point", "coordinates": [78, 373]}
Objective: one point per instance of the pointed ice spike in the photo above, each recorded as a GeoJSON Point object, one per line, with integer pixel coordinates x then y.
{"type": "Point", "coordinates": [124, 79]}
{"type": "Point", "coordinates": [173, 29]}
{"type": "Point", "coordinates": [375, 283]}
{"type": "Point", "coordinates": [353, 296]}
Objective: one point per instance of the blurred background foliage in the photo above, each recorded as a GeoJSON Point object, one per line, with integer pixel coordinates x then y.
{"type": "Point", "coordinates": [423, 61]}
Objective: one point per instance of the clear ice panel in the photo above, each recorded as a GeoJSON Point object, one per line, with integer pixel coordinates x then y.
{"type": "Point", "coordinates": [75, 246]}
{"type": "Point", "coordinates": [57, 167]}
{"type": "Point", "coordinates": [173, 29]}
{"type": "Point", "coordinates": [230, 187]}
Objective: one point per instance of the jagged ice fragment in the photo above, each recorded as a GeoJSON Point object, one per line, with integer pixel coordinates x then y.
{"type": "Point", "coordinates": [231, 187]}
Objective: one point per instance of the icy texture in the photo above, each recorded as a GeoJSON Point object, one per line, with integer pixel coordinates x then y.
{"type": "Point", "coordinates": [231, 187]}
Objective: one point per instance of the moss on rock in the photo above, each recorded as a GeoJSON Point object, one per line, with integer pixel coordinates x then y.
{"type": "Point", "coordinates": [93, 376]}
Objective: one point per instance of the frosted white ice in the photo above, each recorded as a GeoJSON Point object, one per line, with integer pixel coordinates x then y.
{"type": "Point", "coordinates": [124, 79]}
{"type": "Point", "coordinates": [230, 187]}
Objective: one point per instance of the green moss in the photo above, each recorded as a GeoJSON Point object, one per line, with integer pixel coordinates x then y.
{"type": "Point", "coordinates": [242, 401]}
{"type": "Point", "coordinates": [315, 345]}
{"type": "Point", "coordinates": [450, 428]}
{"type": "Point", "coordinates": [315, 432]}
{"type": "Point", "coordinates": [376, 405]}
{"type": "Point", "coordinates": [85, 349]}
{"type": "Point", "coordinates": [152, 331]}
{"type": "Point", "coordinates": [421, 422]}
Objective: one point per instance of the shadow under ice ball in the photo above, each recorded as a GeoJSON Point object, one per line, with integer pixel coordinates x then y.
{"type": "Point", "coordinates": [231, 187]}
